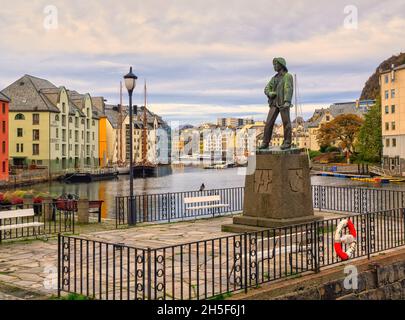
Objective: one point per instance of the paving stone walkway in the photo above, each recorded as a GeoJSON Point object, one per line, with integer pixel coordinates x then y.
{"type": "Point", "coordinates": [32, 265]}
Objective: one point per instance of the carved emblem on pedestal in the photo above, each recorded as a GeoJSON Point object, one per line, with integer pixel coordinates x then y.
{"type": "Point", "coordinates": [263, 181]}
{"type": "Point", "coordinates": [296, 180]}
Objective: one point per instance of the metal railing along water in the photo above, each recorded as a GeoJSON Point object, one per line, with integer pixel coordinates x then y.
{"type": "Point", "coordinates": [168, 207]}
{"type": "Point", "coordinates": [214, 268]}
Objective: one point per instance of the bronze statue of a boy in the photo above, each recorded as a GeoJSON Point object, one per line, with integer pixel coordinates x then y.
{"type": "Point", "coordinates": [279, 92]}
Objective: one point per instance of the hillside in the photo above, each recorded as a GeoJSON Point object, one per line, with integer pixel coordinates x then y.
{"type": "Point", "coordinates": [372, 87]}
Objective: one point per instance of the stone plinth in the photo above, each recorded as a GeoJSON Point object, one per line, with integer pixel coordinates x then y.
{"type": "Point", "coordinates": [277, 192]}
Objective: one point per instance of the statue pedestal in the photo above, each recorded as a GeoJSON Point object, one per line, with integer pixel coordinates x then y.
{"type": "Point", "coordinates": [277, 192]}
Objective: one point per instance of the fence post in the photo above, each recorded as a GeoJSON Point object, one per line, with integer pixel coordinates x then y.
{"type": "Point", "coordinates": [246, 259]}
{"type": "Point", "coordinates": [316, 244]}
{"type": "Point", "coordinates": [149, 273]}
{"type": "Point", "coordinates": [59, 273]}
{"type": "Point", "coordinates": [320, 197]}
{"type": "Point", "coordinates": [368, 235]}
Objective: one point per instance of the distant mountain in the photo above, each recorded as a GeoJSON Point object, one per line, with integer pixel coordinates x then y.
{"type": "Point", "coordinates": [372, 88]}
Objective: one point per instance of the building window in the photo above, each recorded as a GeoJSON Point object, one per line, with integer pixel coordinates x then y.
{"type": "Point", "coordinates": [393, 125]}
{"type": "Point", "coordinates": [35, 134]}
{"type": "Point", "coordinates": [387, 110]}
{"type": "Point", "coordinates": [35, 149]}
{"type": "Point", "coordinates": [93, 135]}
{"type": "Point", "coordinates": [394, 142]}
{"type": "Point", "coordinates": [20, 147]}
{"type": "Point", "coordinates": [93, 123]}
{"type": "Point", "coordinates": [19, 116]}
{"type": "Point", "coordinates": [393, 109]}
{"type": "Point", "coordinates": [387, 126]}
{"type": "Point", "coordinates": [393, 93]}
{"type": "Point", "coordinates": [19, 132]}
{"type": "Point", "coordinates": [386, 78]}
{"type": "Point", "coordinates": [57, 133]}
{"type": "Point", "coordinates": [35, 119]}
{"type": "Point", "coordinates": [70, 120]}
{"type": "Point", "coordinates": [4, 166]}
{"type": "Point", "coordinates": [3, 147]}
{"type": "Point", "coordinates": [57, 146]}
{"type": "Point", "coordinates": [387, 143]}
{"type": "Point", "coordinates": [387, 94]}
{"type": "Point", "coordinates": [63, 120]}
{"type": "Point", "coordinates": [4, 126]}
{"type": "Point", "coordinates": [63, 107]}
{"type": "Point", "coordinates": [57, 117]}
{"type": "Point", "coordinates": [4, 108]}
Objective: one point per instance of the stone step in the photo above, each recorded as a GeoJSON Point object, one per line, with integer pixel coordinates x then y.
{"type": "Point", "coordinates": [240, 228]}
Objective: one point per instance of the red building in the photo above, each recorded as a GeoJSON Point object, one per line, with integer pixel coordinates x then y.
{"type": "Point", "coordinates": [4, 137]}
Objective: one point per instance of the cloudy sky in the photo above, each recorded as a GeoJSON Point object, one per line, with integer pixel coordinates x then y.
{"type": "Point", "coordinates": [202, 59]}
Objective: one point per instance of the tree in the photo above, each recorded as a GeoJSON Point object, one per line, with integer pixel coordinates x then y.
{"type": "Point", "coordinates": [370, 136]}
{"type": "Point", "coordinates": [343, 130]}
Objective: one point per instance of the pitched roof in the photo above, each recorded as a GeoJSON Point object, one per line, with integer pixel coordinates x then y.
{"type": "Point", "coordinates": [26, 95]}
{"type": "Point", "coordinates": [4, 98]}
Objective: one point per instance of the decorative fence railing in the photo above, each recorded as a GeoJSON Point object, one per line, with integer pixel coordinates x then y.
{"type": "Point", "coordinates": [54, 221]}
{"type": "Point", "coordinates": [216, 267]}
{"type": "Point", "coordinates": [167, 207]}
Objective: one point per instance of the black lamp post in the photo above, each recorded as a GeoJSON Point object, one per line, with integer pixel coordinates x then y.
{"type": "Point", "coordinates": [130, 83]}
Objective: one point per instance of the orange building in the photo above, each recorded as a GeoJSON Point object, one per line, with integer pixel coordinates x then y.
{"type": "Point", "coordinates": [102, 136]}
{"type": "Point", "coordinates": [4, 137]}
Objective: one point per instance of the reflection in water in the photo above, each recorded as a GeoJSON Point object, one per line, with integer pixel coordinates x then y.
{"type": "Point", "coordinates": [182, 179]}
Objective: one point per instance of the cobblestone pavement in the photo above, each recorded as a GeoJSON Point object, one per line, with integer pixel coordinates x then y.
{"type": "Point", "coordinates": [32, 265]}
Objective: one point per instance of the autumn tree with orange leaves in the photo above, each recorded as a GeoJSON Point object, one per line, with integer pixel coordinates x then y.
{"type": "Point", "coordinates": [343, 131]}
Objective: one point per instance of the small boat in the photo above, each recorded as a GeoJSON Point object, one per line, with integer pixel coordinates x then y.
{"type": "Point", "coordinates": [123, 170]}
{"type": "Point", "coordinates": [87, 177]}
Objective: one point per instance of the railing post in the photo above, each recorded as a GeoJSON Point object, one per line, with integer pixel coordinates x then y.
{"type": "Point", "coordinates": [316, 247]}
{"type": "Point", "coordinates": [246, 261]}
{"type": "Point", "coordinates": [368, 235]}
{"type": "Point", "coordinates": [149, 273]}
{"type": "Point", "coordinates": [59, 273]}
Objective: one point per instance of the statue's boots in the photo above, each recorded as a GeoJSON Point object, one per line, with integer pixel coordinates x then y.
{"type": "Point", "coordinates": [285, 146]}
{"type": "Point", "coordinates": [264, 146]}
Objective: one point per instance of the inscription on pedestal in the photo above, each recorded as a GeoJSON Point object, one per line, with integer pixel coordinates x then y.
{"type": "Point", "coordinates": [296, 180]}
{"type": "Point", "coordinates": [263, 181]}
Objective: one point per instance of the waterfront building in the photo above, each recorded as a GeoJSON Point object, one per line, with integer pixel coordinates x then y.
{"type": "Point", "coordinates": [392, 83]}
{"type": "Point", "coordinates": [247, 139]}
{"type": "Point", "coordinates": [234, 122]}
{"type": "Point", "coordinates": [325, 115]}
{"type": "Point", "coordinates": [158, 140]}
{"type": "Point", "coordinates": [4, 105]}
{"type": "Point", "coordinates": [51, 127]}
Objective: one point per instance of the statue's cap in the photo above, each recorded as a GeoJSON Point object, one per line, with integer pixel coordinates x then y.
{"type": "Point", "coordinates": [281, 61]}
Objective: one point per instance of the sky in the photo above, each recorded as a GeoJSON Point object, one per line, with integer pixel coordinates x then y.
{"type": "Point", "coordinates": [202, 59]}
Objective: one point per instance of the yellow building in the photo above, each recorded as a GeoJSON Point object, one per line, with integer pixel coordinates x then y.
{"type": "Point", "coordinates": [51, 127]}
{"type": "Point", "coordinates": [326, 115]}
{"type": "Point", "coordinates": [393, 111]}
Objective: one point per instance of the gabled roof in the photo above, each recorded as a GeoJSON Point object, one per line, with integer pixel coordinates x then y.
{"type": "Point", "coordinates": [4, 98]}
{"type": "Point", "coordinates": [26, 95]}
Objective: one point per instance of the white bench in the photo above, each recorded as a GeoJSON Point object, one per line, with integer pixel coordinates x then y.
{"type": "Point", "coordinates": [15, 214]}
{"type": "Point", "coordinates": [207, 202]}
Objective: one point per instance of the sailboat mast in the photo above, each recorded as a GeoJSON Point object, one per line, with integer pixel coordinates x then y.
{"type": "Point", "coordinates": [120, 126]}
{"type": "Point", "coordinates": [144, 131]}
{"type": "Point", "coordinates": [296, 108]}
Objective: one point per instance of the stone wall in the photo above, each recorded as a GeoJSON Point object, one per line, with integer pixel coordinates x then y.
{"type": "Point", "coordinates": [381, 278]}
{"type": "Point", "coordinates": [382, 283]}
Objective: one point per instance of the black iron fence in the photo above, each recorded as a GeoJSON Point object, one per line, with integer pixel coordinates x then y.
{"type": "Point", "coordinates": [215, 268]}
{"type": "Point", "coordinates": [47, 219]}
{"type": "Point", "coordinates": [167, 207]}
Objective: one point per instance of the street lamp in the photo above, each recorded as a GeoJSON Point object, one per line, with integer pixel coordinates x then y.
{"type": "Point", "coordinates": [130, 84]}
